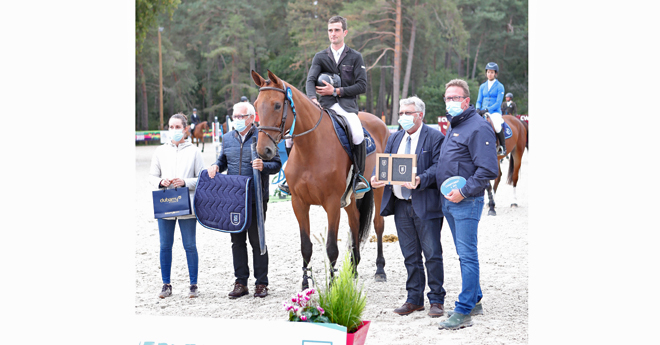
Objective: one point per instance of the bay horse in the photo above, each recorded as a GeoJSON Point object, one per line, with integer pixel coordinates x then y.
{"type": "Point", "coordinates": [198, 134]}
{"type": "Point", "coordinates": [318, 167]}
{"type": "Point", "coordinates": [515, 147]}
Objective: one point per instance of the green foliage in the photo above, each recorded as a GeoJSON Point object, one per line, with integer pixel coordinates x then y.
{"type": "Point", "coordinates": [304, 308]}
{"type": "Point", "coordinates": [146, 14]}
{"type": "Point", "coordinates": [432, 93]}
{"type": "Point", "coordinates": [342, 299]}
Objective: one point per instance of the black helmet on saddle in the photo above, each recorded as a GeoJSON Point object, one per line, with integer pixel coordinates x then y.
{"type": "Point", "coordinates": [334, 80]}
{"type": "Point", "coordinates": [244, 99]}
{"type": "Point", "coordinates": [510, 95]}
{"type": "Point", "coordinates": [493, 66]}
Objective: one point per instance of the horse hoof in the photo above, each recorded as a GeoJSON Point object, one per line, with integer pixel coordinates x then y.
{"type": "Point", "coordinates": [514, 205]}
{"type": "Point", "coordinates": [380, 277]}
{"type": "Point", "coordinates": [492, 213]}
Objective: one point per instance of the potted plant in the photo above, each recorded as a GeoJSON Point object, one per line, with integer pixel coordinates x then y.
{"type": "Point", "coordinates": [343, 302]}
{"type": "Point", "coordinates": [340, 301]}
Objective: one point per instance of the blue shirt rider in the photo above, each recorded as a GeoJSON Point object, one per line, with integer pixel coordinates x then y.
{"type": "Point", "coordinates": [489, 100]}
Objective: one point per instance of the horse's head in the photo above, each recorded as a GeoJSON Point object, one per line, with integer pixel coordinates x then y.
{"type": "Point", "coordinates": [272, 108]}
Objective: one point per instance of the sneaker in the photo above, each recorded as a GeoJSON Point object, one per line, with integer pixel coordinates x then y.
{"type": "Point", "coordinates": [193, 291]}
{"type": "Point", "coordinates": [477, 310]}
{"type": "Point", "coordinates": [239, 291]}
{"type": "Point", "coordinates": [456, 321]}
{"type": "Point", "coordinates": [166, 292]}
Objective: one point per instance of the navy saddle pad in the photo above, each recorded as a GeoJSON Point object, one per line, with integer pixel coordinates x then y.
{"type": "Point", "coordinates": [507, 130]}
{"type": "Point", "coordinates": [224, 203]}
{"type": "Point", "coordinates": [345, 140]}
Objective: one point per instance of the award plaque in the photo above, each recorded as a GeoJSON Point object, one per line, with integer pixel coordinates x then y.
{"type": "Point", "coordinates": [396, 168]}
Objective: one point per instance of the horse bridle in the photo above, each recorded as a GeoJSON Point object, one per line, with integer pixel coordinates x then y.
{"type": "Point", "coordinates": [281, 135]}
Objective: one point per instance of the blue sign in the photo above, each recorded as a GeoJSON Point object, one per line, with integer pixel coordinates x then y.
{"type": "Point", "coordinates": [455, 182]}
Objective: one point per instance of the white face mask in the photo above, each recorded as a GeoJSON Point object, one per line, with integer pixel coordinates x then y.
{"type": "Point", "coordinates": [176, 134]}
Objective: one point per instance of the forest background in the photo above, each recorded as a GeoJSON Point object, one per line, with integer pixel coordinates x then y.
{"type": "Point", "coordinates": [410, 47]}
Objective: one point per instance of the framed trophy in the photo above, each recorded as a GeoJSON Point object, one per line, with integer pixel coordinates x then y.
{"type": "Point", "coordinates": [396, 168]}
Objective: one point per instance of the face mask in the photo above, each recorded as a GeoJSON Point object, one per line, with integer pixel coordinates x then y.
{"type": "Point", "coordinates": [240, 125]}
{"type": "Point", "coordinates": [176, 134]}
{"type": "Point", "coordinates": [454, 108]}
{"type": "Point", "coordinates": [407, 121]}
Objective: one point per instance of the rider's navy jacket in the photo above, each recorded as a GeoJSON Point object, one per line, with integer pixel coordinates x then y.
{"type": "Point", "coordinates": [491, 100]}
{"type": "Point", "coordinates": [350, 69]}
{"type": "Point", "coordinates": [469, 150]}
{"type": "Point", "coordinates": [426, 197]}
{"type": "Point", "coordinates": [236, 158]}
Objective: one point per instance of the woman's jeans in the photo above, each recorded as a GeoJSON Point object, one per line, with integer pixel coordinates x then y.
{"type": "Point", "coordinates": [463, 219]}
{"type": "Point", "coordinates": [188, 235]}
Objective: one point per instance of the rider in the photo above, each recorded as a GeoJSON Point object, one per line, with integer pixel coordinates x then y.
{"type": "Point", "coordinates": [347, 63]}
{"type": "Point", "coordinates": [491, 94]}
{"type": "Point", "coordinates": [509, 107]}
{"type": "Point", "coordinates": [194, 120]}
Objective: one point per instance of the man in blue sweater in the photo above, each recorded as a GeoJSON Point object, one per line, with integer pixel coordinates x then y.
{"type": "Point", "coordinates": [467, 151]}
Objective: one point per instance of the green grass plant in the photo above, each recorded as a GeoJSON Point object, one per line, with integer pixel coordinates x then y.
{"type": "Point", "coordinates": [342, 299]}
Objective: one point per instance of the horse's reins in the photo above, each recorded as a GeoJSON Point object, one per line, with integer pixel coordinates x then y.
{"type": "Point", "coordinates": [287, 99]}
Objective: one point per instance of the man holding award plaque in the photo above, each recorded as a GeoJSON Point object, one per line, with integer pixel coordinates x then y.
{"type": "Point", "coordinates": [416, 208]}
{"type": "Point", "coordinates": [468, 160]}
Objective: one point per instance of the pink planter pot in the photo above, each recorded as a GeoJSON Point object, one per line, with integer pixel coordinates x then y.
{"type": "Point", "coordinates": [360, 336]}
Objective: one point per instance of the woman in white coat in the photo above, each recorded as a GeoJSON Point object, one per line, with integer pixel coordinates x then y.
{"type": "Point", "coordinates": [177, 164]}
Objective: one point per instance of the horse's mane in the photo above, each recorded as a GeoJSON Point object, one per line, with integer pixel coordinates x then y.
{"type": "Point", "coordinates": [300, 93]}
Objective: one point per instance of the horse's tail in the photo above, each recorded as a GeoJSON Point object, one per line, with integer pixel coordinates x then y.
{"type": "Point", "coordinates": [526, 131]}
{"type": "Point", "coordinates": [512, 160]}
{"type": "Point", "coordinates": [366, 207]}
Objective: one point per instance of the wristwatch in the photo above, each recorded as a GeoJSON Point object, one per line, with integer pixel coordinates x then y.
{"type": "Point", "coordinates": [334, 92]}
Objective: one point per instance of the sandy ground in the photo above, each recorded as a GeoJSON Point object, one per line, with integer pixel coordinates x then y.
{"type": "Point", "coordinates": [503, 254]}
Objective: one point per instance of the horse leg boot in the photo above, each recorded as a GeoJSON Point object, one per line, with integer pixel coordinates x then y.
{"type": "Point", "coordinates": [502, 149]}
{"type": "Point", "coordinates": [360, 158]}
{"type": "Point", "coordinates": [283, 186]}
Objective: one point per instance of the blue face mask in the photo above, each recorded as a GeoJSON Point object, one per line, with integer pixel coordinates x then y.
{"type": "Point", "coordinates": [240, 125]}
{"type": "Point", "coordinates": [407, 121]}
{"type": "Point", "coordinates": [176, 134]}
{"type": "Point", "coordinates": [454, 108]}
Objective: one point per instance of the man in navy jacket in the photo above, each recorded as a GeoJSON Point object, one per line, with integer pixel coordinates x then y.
{"type": "Point", "coordinates": [468, 151]}
{"type": "Point", "coordinates": [416, 209]}
{"type": "Point", "coordinates": [236, 158]}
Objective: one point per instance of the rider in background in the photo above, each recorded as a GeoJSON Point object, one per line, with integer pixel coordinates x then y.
{"type": "Point", "coordinates": [194, 120]}
{"type": "Point", "coordinates": [491, 94]}
{"type": "Point", "coordinates": [509, 107]}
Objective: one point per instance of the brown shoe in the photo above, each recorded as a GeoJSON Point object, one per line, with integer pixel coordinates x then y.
{"type": "Point", "coordinates": [239, 290]}
{"type": "Point", "coordinates": [436, 310]}
{"type": "Point", "coordinates": [261, 291]}
{"type": "Point", "coordinates": [408, 308]}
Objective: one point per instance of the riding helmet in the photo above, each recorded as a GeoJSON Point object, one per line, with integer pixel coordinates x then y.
{"type": "Point", "coordinates": [510, 95]}
{"type": "Point", "coordinates": [493, 66]}
{"type": "Point", "coordinates": [244, 99]}
{"type": "Point", "coordinates": [334, 80]}
{"type": "Point", "coordinates": [194, 109]}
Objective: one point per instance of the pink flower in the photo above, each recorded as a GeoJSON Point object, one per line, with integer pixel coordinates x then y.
{"type": "Point", "coordinates": [320, 310]}
{"type": "Point", "coordinates": [303, 317]}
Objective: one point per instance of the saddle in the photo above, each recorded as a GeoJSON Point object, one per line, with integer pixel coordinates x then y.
{"type": "Point", "coordinates": [224, 203]}
{"type": "Point", "coordinates": [508, 133]}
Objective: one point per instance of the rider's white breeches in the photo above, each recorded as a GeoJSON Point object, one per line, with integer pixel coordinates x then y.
{"type": "Point", "coordinates": [353, 121]}
{"type": "Point", "coordinates": [497, 121]}
{"type": "Point", "coordinates": [288, 142]}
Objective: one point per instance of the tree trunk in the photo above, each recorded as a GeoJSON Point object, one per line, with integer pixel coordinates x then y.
{"type": "Point", "coordinates": [381, 105]}
{"type": "Point", "coordinates": [476, 56]}
{"type": "Point", "coordinates": [370, 97]}
{"type": "Point", "coordinates": [396, 78]}
{"type": "Point", "coordinates": [467, 61]}
{"type": "Point", "coordinates": [411, 49]}
{"type": "Point", "coordinates": [144, 124]}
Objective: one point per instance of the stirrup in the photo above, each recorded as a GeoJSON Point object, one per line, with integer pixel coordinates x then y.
{"type": "Point", "coordinates": [284, 188]}
{"type": "Point", "coordinates": [501, 151]}
{"type": "Point", "coordinates": [359, 193]}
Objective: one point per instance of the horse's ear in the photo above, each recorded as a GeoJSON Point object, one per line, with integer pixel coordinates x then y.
{"type": "Point", "coordinates": [273, 78]}
{"type": "Point", "coordinates": [258, 79]}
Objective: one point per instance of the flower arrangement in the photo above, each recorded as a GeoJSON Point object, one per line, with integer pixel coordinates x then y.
{"type": "Point", "coordinates": [304, 308]}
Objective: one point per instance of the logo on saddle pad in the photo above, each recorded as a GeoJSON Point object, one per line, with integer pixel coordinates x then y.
{"type": "Point", "coordinates": [402, 169]}
{"type": "Point", "coordinates": [235, 218]}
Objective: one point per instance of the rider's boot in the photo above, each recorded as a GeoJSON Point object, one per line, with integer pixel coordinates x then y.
{"type": "Point", "coordinates": [283, 186]}
{"type": "Point", "coordinates": [360, 157]}
{"type": "Point", "coordinates": [501, 150]}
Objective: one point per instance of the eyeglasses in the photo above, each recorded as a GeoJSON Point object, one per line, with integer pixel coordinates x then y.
{"type": "Point", "coordinates": [408, 113]}
{"type": "Point", "coordinates": [455, 98]}
{"type": "Point", "coordinates": [239, 117]}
